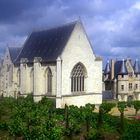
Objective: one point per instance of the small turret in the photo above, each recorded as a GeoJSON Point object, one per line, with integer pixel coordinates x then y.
{"type": "Point", "coordinates": [136, 67]}
{"type": "Point", "coordinates": [107, 68]}
{"type": "Point", "coordinates": [123, 68]}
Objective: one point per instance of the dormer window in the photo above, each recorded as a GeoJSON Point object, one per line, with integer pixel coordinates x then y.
{"type": "Point", "coordinates": [130, 74]}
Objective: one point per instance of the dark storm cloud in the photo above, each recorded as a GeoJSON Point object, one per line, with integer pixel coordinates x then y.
{"type": "Point", "coordinates": [113, 26]}
{"type": "Point", "coordinates": [13, 10]}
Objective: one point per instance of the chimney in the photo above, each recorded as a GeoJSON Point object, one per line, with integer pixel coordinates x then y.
{"type": "Point", "coordinates": [112, 68]}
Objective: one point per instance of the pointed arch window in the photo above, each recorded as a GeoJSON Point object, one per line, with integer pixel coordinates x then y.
{"type": "Point", "coordinates": [48, 81]}
{"type": "Point", "coordinates": [18, 77]}
{"type": "Point", "coordinates": [78, 76]}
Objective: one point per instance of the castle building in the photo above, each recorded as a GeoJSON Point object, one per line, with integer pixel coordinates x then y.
{"type": "Point", "coordinates": [58, 63]}
{"type": "Point", "coordinates": [122, 79]}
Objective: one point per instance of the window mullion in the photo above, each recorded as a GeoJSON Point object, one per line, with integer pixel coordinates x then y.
{"type": "Point", "coordinates": [75, 83]}
{"type": "Point", "coordinates": [79, 83]}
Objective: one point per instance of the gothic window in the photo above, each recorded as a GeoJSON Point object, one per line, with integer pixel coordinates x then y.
{"type": "Point", "coordinates": [78, 76]}
{"type": "Point", "coordinates": [18, 77]}
{"type": "Point", "coordinates": [48, 81]}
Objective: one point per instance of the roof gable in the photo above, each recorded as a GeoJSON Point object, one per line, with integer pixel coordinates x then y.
{"type": "Point", "coordinates": [13, 51]}
{"type": "Point", "coordinates": [47, 44]}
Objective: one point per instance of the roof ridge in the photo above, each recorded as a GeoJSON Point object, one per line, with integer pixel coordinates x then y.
{"type": "Point", "coordinates": [55, 27]}
{"type": "Point", "coordinates": [56, 45]}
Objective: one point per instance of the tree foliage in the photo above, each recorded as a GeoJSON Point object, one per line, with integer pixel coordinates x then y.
{"type": "Point", "coordinates": [103, 109]}
{"type": "Point", "coordinates": [121, 108]}
{"type": "Point", "coordinates": [136, 105]}
{"type": "Point", "coordinates": [22, 118]}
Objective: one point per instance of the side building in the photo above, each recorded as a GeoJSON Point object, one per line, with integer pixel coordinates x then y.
{"type": "Point", "coordinates": [121, 78]}
{"type": "Point", "coordinates": [58, 63]}
{"type": "Point", "coordinates": [9, 76]}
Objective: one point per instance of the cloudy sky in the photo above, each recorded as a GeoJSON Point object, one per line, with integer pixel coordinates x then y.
{"type": "Point", "coordinates": [113, 26]}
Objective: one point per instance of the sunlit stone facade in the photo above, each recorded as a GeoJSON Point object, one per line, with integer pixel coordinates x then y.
{"type": "Point", "coordinates": [45, 65]}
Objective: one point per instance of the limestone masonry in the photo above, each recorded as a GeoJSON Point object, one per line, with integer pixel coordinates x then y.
{"type": "Point", "coordinates": [58, 63]}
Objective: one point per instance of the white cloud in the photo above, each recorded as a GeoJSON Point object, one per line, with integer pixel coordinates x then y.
{"type": "Point", "coordinates": [136, 5]}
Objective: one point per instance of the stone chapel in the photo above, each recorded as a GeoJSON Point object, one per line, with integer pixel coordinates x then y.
{"type": "Point", "coordinates": [58, 63]}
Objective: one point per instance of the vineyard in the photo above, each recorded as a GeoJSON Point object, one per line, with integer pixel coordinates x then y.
{"type": "Point", "coordinates": [23, 119]}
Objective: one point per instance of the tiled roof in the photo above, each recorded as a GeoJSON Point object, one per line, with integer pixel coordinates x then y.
{"type": "Point", "coordinates": [136, 67]}
{"type": "Point", "coordinates": [120, 67]}
{"type": "Point", "coordinates": [14, 52]}
{"type": "Point", "coordinates": [47, 44]}
{"type": "Point", "coordinates": [123, 67]}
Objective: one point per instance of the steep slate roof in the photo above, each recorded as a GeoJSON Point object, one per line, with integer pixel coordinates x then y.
{"type": "Point", "coordinates": [120, 67]}
{"type": "Point", "coordinates": [107, 68]}
{"type": "Point", "coordinates": [47, 44]}
{"type": "Point", "coordinates": [123, 67]}
{"type": "Point", "coordinates": [14, 52]}
{"type": "Point", "coordinates": [136, 67]}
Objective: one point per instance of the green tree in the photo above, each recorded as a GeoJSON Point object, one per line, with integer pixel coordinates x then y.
{"type": "Point", "coordinates": [72, 120]}
{"type": "Point", "coordinates": [121, 107]}
{"type": "Point", "coordinates": [87, 112]}
{"type": "Point", "coordinates": [103, 109]}
{"type": "Point", "coordinates": [136, 105]}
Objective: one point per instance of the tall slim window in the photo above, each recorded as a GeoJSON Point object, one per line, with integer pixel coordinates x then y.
{"type": "Point", "coordinates": [122, 87]}
{"type": "Point", "coordinates": [136, 86]}
{"type": "Point", "coordinates": [78, 78]}
{"type": "Point", "coordinates": [48, 81]}
{"type": "Point", "coordinates": [18, 77]}
{"type": "Point", "coordinates": [130, 86]}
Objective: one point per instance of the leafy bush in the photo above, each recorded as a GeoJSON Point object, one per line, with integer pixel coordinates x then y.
{"type": "Point", "coordinates": [23, 119]}
{"type": "Point", "coordinates": [136, 105]}
{"type": "Point", "coordinates": [131, 131]}
{"type": "Point", "coordinates": [103, 109]}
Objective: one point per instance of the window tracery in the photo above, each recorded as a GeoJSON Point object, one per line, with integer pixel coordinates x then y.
{"type": "Point", "coordinates": [78, 76]}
